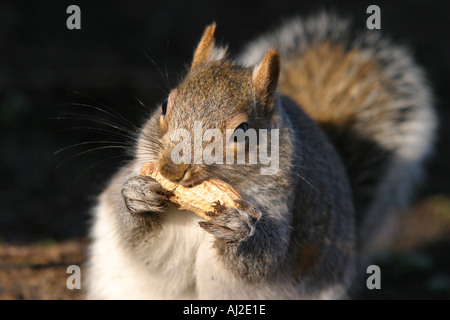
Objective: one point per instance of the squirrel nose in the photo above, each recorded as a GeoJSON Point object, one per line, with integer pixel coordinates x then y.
{"type": "Point", "coordinates": [172, 171]}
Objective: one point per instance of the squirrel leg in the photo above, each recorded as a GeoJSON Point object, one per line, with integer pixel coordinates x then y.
{"type": "Point", "coordinates": [142, 199]}
{"type": "Point", "coordinates": [135, 202]}
{"type": "Point", "coordinates": [230, 225]}
{"type": "Point", "coordinates": [250, 243]}
{"type": "Point", "coordinates": [143, 195]}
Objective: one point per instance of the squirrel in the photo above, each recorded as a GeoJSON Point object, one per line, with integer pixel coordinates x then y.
{"type": "Point", "coordinates": [356, 123]}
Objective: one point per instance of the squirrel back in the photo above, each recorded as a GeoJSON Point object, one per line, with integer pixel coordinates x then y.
{"type": "Point", "coordinates": [369, 97]}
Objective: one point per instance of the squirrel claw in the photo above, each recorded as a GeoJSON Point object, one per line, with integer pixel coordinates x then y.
{"type": "Point", "coordinates": [229, 224]}
{"type": "Point", "coordinates": [209, 213]}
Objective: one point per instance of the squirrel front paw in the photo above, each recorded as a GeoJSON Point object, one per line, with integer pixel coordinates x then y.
{"type": "Point", "coordinates": [232, 225]}
{"type": "Point", "coordinates": [143, 194]}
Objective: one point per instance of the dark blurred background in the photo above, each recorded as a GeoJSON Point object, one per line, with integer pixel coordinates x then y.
{"type": "Point", "coordinates": [83, 92]}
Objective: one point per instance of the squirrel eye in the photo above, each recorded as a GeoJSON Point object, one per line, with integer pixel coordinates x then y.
{"type": "Point", "coordinates": [164, 107]}
{"type": "Point", "coordinates": [243, 126]}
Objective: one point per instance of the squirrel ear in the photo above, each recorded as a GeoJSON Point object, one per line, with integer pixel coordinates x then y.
{"type": "Point", "coordinates": [265, 76]}
{"type": "Point", "coordinates": [206, 50]}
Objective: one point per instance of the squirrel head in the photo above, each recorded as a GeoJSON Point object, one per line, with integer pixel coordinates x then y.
{"type": "Point", "coordinates": [218, 94]}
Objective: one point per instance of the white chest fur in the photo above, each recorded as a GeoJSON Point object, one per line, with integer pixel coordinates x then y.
{"type": "Point", "coordinates": [164, 267]}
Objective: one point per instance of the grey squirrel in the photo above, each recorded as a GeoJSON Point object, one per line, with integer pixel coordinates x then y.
{"type": "Point", "coordinates": [356, 123]}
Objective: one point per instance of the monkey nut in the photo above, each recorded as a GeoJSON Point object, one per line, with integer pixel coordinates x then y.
{"type": "Point", "coordinates": [199, 198]}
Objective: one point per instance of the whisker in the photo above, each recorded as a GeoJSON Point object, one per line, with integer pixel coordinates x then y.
{"type": "Point", "coordinates": [90, 150]}
{"type": "Point", "coordinates": [115, 115]}
{"type": "Point", "coordinates": [103, 105]}
{"type": "Point", "coordinates": [159, 70]}
{"type": "Point", "coordinates": [89, 168]}
{"type": "Point", "coordinates": [298, 175]}
{"type": "Point", "coordinates": [165, 61]}
{"type": "Point", "coordinates": [149, 141]}
{"type": "Point", "coordinates": [144, 109]}
{"type": "Point", "coordinates": [158, 84]}
{"type": "Point", "coordinates": [89, 142]}
{"type": "Point", "coordinates": [75, 116]}
{"type": "Point", "coordinates": [114, 133]}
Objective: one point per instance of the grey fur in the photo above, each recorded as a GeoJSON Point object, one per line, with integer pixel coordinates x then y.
{"type": "Point", "coordinates": [295, 234]}
{"type": "Point", "coordinates": [401, 140]}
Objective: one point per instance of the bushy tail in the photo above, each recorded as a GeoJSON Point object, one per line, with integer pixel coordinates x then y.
{"type": "Point", "coordinates": [371, 99]}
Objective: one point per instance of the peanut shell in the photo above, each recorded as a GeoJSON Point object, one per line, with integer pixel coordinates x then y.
{"type": "Point", "coordinates": [199, 198]}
